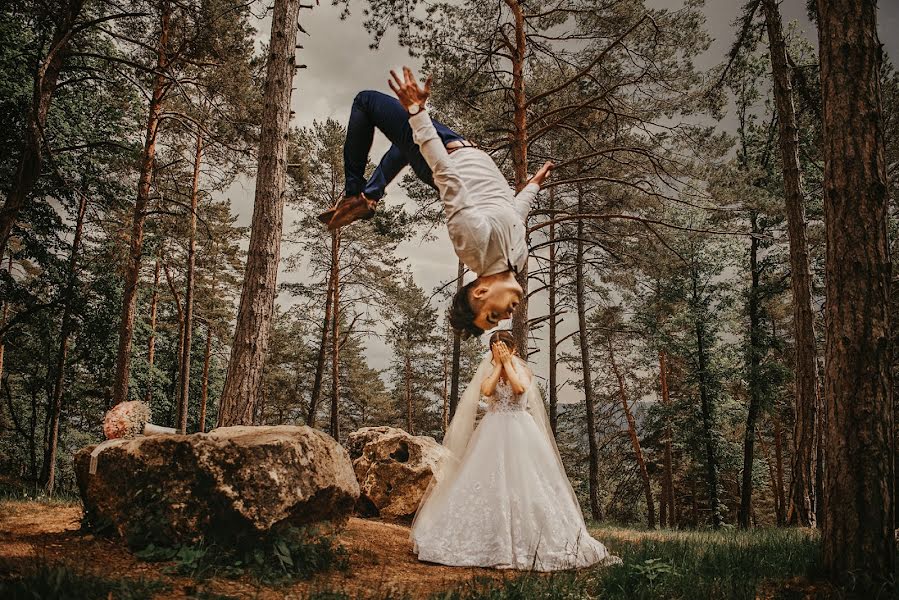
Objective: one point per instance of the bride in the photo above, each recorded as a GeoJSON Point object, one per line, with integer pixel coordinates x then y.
{"type": "Point", "coordinates": [502, 499]}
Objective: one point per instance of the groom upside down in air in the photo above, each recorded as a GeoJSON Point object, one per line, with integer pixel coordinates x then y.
{"type": "Point", "coordinates": [485, 219]}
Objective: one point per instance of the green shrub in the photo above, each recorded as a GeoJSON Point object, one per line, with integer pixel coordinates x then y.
{"type": "Point", "coordinates": [293, 553]}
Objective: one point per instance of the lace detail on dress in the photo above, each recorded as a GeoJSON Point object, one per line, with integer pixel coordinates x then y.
{"type": "Point", "coordinates": [505, 400]}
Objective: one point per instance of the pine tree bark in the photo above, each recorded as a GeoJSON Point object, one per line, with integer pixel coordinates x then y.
{"type": "Point", "coordinates": [706, 410]}
{"type": "Point", "coordinates": [323, 346]}
{"type": "Point", "coordinates": [802, 490]}
{"type": "Point", "coordinates": [407, 383]}
{"type": "Point", "coordinates": [3, 321]}
{"type": "Point", "coordinates": [668, 465]}
{"type": "Point", "coordinates": [858, 529]}
{"type": "Point", "coordinates": [31, 157]}
{"type": "Point", "coordinates": [772, 478]}
{"type": "Point", "coordinates": [635, 439]}
{"type": "Point", "coordinates": [779, 464]}
{"type": "Point", "coordinates": [204, 394]}
{"type": "Point", "coordinates": [184, 377]}
{"type": "Point", "coordinates": [151, 342]}
{"type": "Point", "coordinates": [593, 454]}
{"type": "Point", "coordinates": [335, 341]}
{"type": "Point", "coordinates": [755, 396]}
{"type": "Point", "coordinates": [257, 299]}
{"type": "Point", "coordinates": [457, 354]}
{"type": "Point", "coordinates": [66, 328]}
{"type": "Point", "coordinates": [132, 270]}
{"type": "Point", "coordinates": [176, 298]}
{"type": "Point", "coordinates": [519, 160]}
{"type": "Point", "coordinates": [446, 375]}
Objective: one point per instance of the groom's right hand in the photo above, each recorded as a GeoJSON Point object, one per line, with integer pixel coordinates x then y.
{"type": "Point", "coordinates": [407, 90]}
{"type": "Point", "coordinates": [541, 175]}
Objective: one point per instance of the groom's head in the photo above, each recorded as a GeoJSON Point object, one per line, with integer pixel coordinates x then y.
{"type": "Point", "coordinates": [484, 302]}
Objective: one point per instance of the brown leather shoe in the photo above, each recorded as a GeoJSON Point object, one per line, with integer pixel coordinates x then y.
{"type": "Point", "coordinates": [349, 209]}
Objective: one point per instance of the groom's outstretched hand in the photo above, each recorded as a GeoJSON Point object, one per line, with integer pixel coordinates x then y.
{"type": "Point", "coordinates": [407, 89]}
{"type": "Point", "coordinates": [541, 175]}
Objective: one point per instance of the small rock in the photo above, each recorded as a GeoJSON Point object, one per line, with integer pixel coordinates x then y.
{"type": "Point", "coordinates": [393, 469]}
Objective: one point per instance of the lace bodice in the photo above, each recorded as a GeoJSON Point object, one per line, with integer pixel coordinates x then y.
{"type": "Point", "coordinates": [505, 400]}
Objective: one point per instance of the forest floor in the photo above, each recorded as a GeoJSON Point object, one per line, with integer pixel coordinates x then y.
{"type": "Point", "coordinates": [45, 538]}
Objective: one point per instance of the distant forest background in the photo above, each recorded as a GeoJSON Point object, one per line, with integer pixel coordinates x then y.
{"type": "Point", "coordinates": [689, 250]}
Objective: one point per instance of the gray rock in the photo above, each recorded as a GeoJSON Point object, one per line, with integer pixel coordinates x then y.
{"type": "Point", "coordinates": [393, 469]}
{"type": "Point", "coordinates": [231, 482]}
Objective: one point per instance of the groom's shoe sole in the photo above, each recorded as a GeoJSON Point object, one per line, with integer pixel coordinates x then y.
{"type": "Point", "coordinates": [326, 216]}
{"type": "Point", "coordinates": [351, 209]}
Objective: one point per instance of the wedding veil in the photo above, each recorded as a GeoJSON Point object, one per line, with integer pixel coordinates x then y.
{"type": "Point", "coordinates": [458, 434]}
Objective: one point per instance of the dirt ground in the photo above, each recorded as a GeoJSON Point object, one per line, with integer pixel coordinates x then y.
{"type": "Point", "coordinates": [381, 558]}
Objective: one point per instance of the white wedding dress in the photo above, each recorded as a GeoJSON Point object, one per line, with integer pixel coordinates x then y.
{"type": "Point", "coordinates": [506, 501]}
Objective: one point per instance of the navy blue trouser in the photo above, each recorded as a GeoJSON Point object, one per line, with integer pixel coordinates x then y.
{"type": "Point", "coordinates": [370, 110]}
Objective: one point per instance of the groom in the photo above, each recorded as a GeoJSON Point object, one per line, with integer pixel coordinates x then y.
{"type": "Point", "coordinates": [485, 219]}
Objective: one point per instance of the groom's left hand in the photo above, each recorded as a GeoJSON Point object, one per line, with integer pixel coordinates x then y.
{"type": "Point", "coordinates": [407, 90]}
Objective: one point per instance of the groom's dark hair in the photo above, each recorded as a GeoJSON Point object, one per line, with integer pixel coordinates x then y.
{"type": "Point", "coordinates": [461, 314]}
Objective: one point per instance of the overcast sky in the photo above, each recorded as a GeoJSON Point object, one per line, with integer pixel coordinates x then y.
{"type": "Point", "coordinates": [340, 64]}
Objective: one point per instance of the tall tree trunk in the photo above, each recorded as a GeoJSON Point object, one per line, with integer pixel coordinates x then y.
{"type": "Point", "coordinates": [184, 378]}
{"type": "Point", "coordinates": [176, 364]}
{"type": "Point", "coordinates": [520, 159]}
{"type": "Point", "coordinates": [204, 394]}
{"type": "Point", "coordinates": [755, 393]}
{"type": "Point", "coordinates": [31, 156]}
{"type": "Point", "coordinates": [858, 531]}
{"type": "Point", "coordinates": [706, 409]}
{"type": "Point", "coordinates": [446, 375]}
{"type": "Point", "coordinates": [323, 345]}
{"type": "Point", "coordinates": [257, 299]}
{"type": "Point", "coordinates": [3, 322]}
{"type": "Point", "coordinates": [595, 507]}
{"type": "Point", "coordinates": [553, 342]}
{"type": "Point", "coordinates": [821, 435]}
{"type": "Point", "coordinates": [335, 341]}
{"type": "Point", "coordinates": [668, 473]}
{"type": "Point", "coordinates": [772, 477]}
{"type": "Point", "coordinates": [407, 377]}
{"type": "Point", "coordinates": [148, 161]}
{"type": "Point", "coordinates": [802, 492]}
{"type": "Point", "coordinates": [779, 464]}
{"type": "Point", "coordinates": [635, 439]}
{"type": "Point", "coordinates": [151, 342]}
{"type": "Point", "coordinates": [457, 354]}
{"type": "Point", "coordinates": [61, 354]}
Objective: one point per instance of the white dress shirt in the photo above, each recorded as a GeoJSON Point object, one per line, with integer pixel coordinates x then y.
{"type": "Point", "coordinates": [485, 219]}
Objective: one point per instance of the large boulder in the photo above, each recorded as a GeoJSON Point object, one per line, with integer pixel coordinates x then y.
{"type": "Point", "coordinates": [222, 485]}
{"type": "Point", "coordinates": [394, 469]}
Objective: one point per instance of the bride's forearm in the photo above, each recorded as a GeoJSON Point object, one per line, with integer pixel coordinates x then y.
{"type": "Point", "coordinates": [515, 380]}
{"type": "Point", "coordinates": [488, 386]}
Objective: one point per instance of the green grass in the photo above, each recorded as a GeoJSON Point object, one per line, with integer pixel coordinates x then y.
{"type": "Point", "coordinates": [709, 564]}
{"type": "Point", "coordinates": [670, 564]}
{"type": "Point", "coordinates": [10, 493]}
{"type": "Point", "coordinates": [55, 582]}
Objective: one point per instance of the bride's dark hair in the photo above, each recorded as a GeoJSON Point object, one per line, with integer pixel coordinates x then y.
{"type": "Point", "coordinates": [504, 336]}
